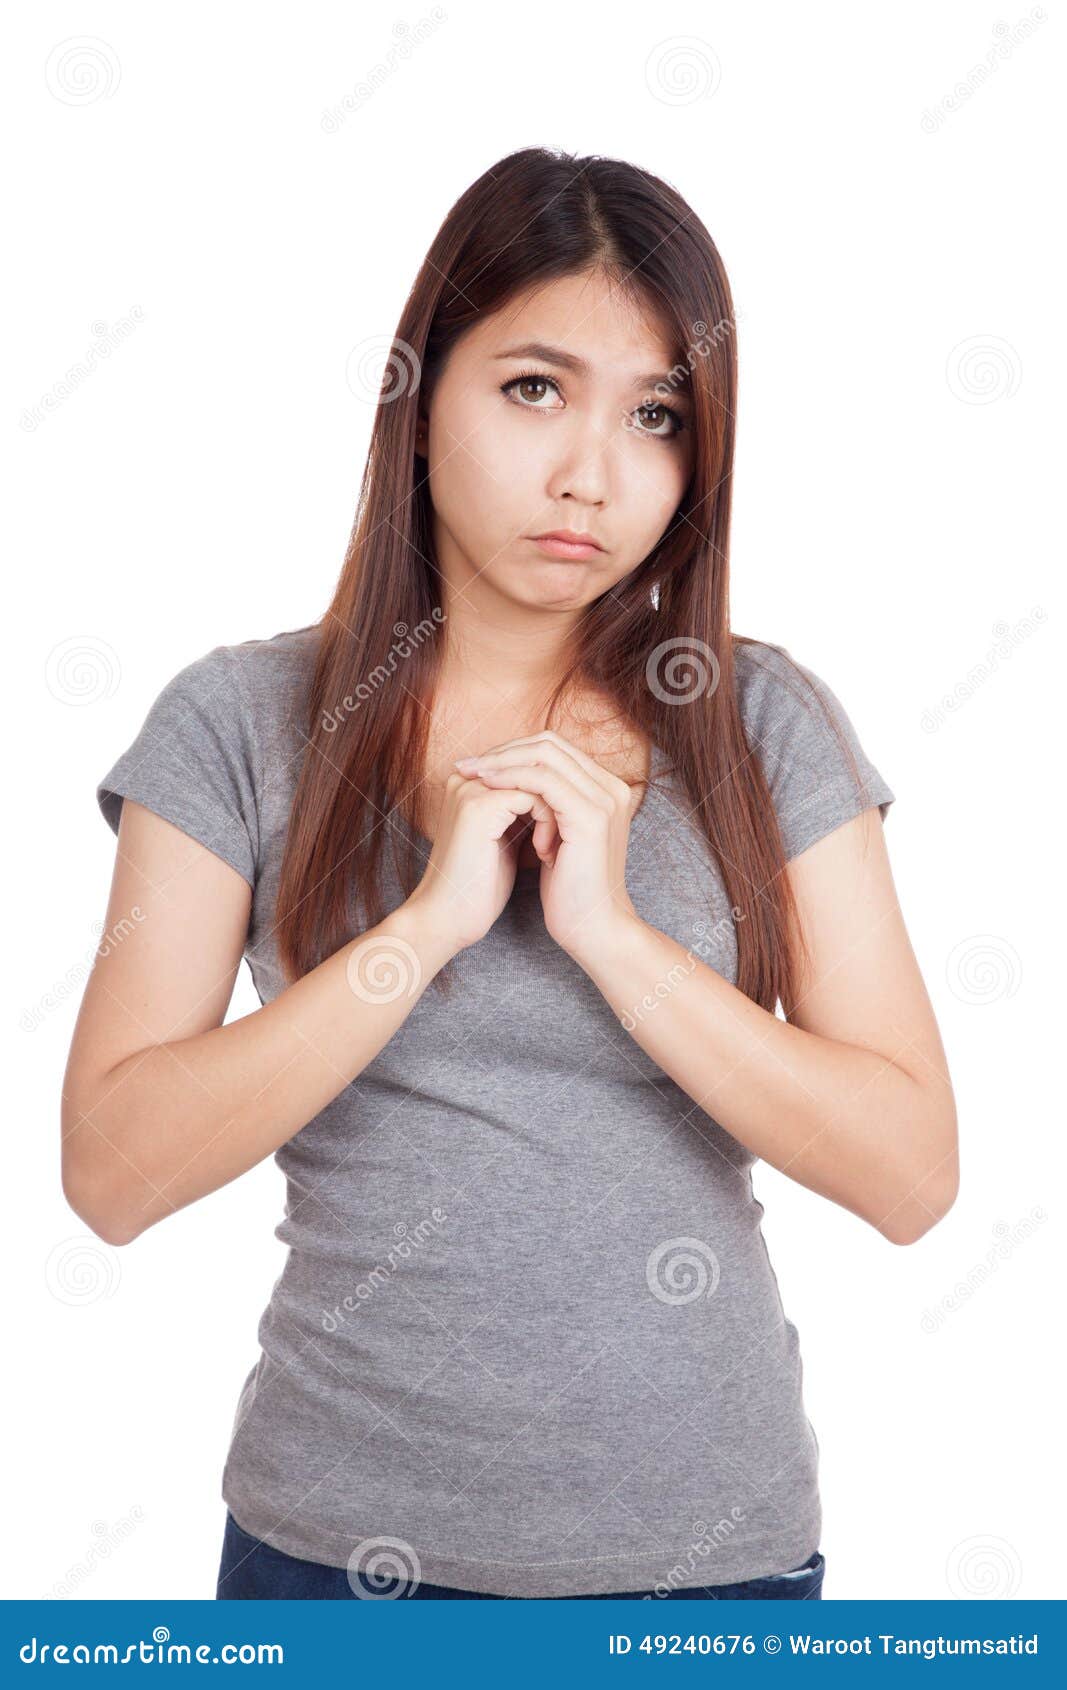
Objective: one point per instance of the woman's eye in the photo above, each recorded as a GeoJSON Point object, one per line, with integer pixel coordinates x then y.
{"type": "Point", "coordinates": [665, 414]}
{"type": "Point", "coordinates": [523, 383]}
{"type": "Point", "coordinates": [530, 389]}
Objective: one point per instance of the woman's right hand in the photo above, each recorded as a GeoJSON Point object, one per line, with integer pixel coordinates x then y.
{"type": "Point", "coordinates": [473, 862]}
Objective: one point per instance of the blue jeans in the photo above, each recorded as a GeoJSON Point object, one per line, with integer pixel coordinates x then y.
{"type": "Point", "coordinates": [252, 1569]}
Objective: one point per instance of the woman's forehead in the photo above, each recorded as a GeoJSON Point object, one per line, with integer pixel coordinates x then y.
{"type": "Point", "coordinates": [592, 329]}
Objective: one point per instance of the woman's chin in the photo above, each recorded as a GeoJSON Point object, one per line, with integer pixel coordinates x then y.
{"type": "Point", "coordinates": [558, 585]}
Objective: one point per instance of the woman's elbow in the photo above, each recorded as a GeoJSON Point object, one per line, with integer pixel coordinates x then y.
{"type": "Point", "coordinates": [929, 1191]}
{"type": "Point", "coordinates": [97, 1205]}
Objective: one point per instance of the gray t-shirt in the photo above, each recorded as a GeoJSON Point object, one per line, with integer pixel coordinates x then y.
{"type": "Point", "coordinates": [527, 1328]}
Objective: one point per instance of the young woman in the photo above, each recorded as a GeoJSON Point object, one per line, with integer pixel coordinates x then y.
{"type": "Point", "coordinates": [524, 848]}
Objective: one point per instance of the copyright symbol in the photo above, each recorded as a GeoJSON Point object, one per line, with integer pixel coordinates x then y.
{"type": "Point", "coordinates": [772, 1644]}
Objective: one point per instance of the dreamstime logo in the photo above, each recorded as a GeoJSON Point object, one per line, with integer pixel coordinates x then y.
{"type": "Point", "coordinates": [1008, 1238]}
{"type": "Point", "coordinates": [700, 347]}
{"type": "Point", "coordinates": [106, 1539]}
{"type": "Point", "coordinates": [382, 368]}
{"type": "Point", "coordinates": [681, 1270]}
{"type": "Point", "coordinates": [81, 1271]}
{"type": "Point", "coordinates": [407, 38]}
{"type": "Point", "coordinates": [1008, 38]}
{"type": "Point", "coordinates": [401, 1251]}
{"type": "Point", "coordinates": [983, 969]}
{"type": "Point", "coordinates": [982, 369]}
{"type": "Point", "coordinates": [681, 70]}
{"type": "Point", "coordinates": [78, 972]}
{"type": "Point", "coordinates": [707, 1538]}
{"type": "Point", "coordinates": [383, 968]}
{"type": "Point", "coordinates": [1008, 639]}
{"type": "Point", "coordinates": [82, 70]}
{"type": "Point", "coordinates": [383, 1562]}
{"type": "Point", "coordinates": [106, 338]}
{"type": "Point", "coordinates": [707, 338]}
{"type": "Point", "coordinates": [704, 339]}
{"type": "Point", "coordinates": [681, 971]}
{"type": "Point", "coordinates": [986, 1567]}
{"type": "Point", "coordinates": [82, 670]}
{"type": "Point", "coordinates": [406, 642]}
{"type": "Point", "coordinates": [681, 657]}
{"type": "Point", "coordinates": [161, 1649]}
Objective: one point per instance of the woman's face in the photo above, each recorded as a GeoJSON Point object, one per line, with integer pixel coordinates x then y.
{"type": "Point", "coordinates": [583, 442]}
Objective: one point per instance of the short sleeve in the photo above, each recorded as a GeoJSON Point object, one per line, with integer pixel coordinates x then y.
{"type": "Point", "coordinates": [789, 715]}
{"type": "Point", "coordinates": [193, 762]}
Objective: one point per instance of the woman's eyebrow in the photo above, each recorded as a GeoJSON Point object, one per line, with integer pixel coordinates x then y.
{"type": "Point", "coordinates": [579, 367]}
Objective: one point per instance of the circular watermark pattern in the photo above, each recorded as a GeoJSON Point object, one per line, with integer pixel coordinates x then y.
{"type": "Point", "coordinates": [82, 670]}
{"type": "Point", "coordinates": [682, 69]}
{"type": "Point", "coordinates": [983, 369]}
{"type": "Point", "coordinates": [681, 669]}
{"type": "Point", "coordinates": [82, 70]}
{"type": "Point", "coordinates": [82, 1270]}
{"type": "Point", "coordinates": [987, 1567]}
{"type": "Point", "coordinates": [383, 968]}
{"type": "Point", "coordinates": [681, 1270]}
{"type": "Point", "coordinates": [983, 969]}
{"type": "Point", "coordinates": [381, 369]}
{"type": "Point", "coordinates": [382, 1568]}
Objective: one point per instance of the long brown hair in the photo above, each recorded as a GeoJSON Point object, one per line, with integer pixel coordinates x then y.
{"type": "Point", "coordinates": [535, 216]}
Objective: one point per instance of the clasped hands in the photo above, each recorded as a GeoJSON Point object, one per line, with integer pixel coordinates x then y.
{"type": "Point", "coordinates": [582, 817]}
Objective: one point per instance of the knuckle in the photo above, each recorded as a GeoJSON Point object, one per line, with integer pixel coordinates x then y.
{"type": "Point", "coordinates": [470, 793]}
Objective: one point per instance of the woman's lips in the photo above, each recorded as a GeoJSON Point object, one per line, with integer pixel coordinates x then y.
{"type": "Point", "coordinates": [566, 548]}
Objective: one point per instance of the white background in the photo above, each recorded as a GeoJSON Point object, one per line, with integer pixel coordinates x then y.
{"type": "Point", "coordinates": [902, 384]}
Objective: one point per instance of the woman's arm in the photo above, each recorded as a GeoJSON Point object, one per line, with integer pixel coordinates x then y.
{"type": "Point", "coordinates": [163, 1104]}
{"type": "Point", "coordinates": [851, 1096]}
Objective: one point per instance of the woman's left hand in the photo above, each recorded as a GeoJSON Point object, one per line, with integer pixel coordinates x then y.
{"type": "Point", "coordinates": [583, 848]}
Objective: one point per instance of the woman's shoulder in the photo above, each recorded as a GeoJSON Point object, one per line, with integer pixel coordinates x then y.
{"type": "Point", "coordinates": [253, 674]}
{"type": "Point", "coordinates": [763, 669]}
{"type": "Point", "coordinates": [211, 735]}
{"type": "Point", "coordinates": [777, 693]}
{"type": "Point", "coordinates": [817, 768]}
{"type": "Point", "coordinates": [266, 666]}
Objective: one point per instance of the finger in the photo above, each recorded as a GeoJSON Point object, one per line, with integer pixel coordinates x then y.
{"type": "Point", "coordinates": [543, 753]}
{"type": "Point", "coordinates": [572, 805]}
{"type": "Point", "coordinates": [542, 832]}
{"type": "Point", "coordinates": [545, 837]}
{"type": "Point", "coordinates": [510, 804]}
{"type": "Point", "coordinates": [553, 747]}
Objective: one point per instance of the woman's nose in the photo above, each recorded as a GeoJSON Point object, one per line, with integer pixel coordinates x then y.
{"type": "Point", "coordinates": [584, 467]}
